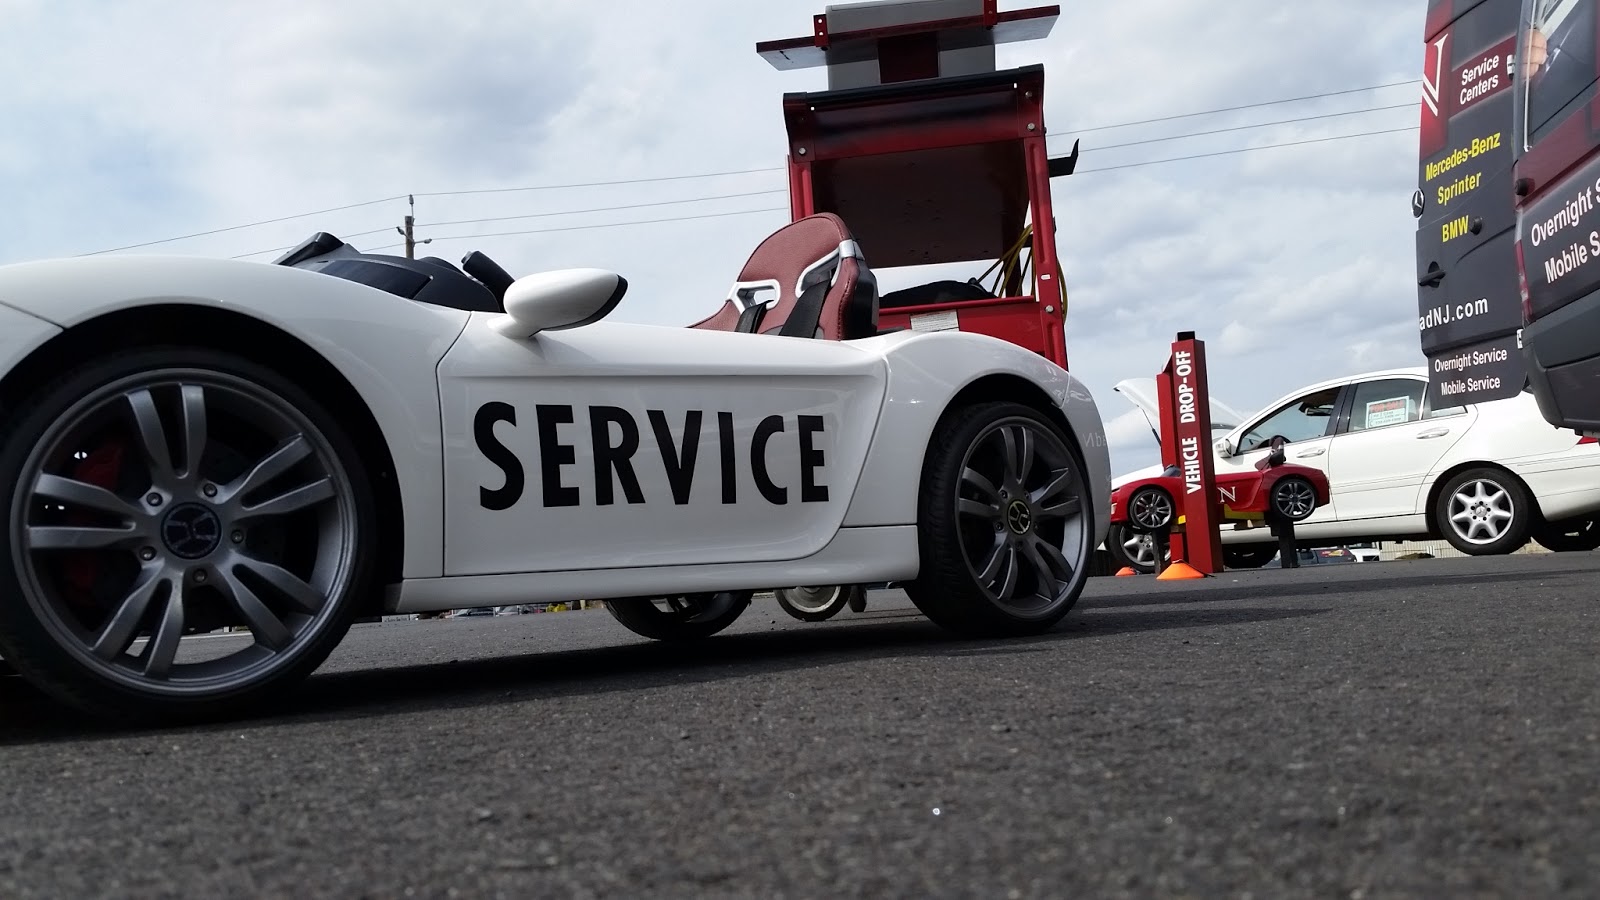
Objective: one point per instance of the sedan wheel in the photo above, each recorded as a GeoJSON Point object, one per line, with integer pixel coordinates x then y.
{"type": "Point", "coordinates": [1133, 549]}
{"type": "Point", "coordinates": [1484, 512]}
{"type": "Point", "coordinates": [1005, 523]}
{"type": "Point", "coordinates": [157, 495]}
{"type": "Point", "coordinates": [1151, 509]}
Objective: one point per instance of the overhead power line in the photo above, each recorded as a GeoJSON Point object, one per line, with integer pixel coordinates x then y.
{"type": "Point", "coordinates": [458, 237]}
{"type": "Point", "coordinates": [732, 172]}
{"type": "Point", "coordinates": [554, 187]}
{"type": "Point", "coordinates": [1321, 140]}
{"type": "Point", "coordinates": [1152, 162]}
{"type": "Point", "coordinates": [1211, 112]}
{"type": "Point", "coordinates": [185, 237]}
{"type": "Point", "coordinates": [739, 212]}
{"type": "Point", "coordinates": [1175, 137]}
{"type": "Point", "coordinates": [574, 212]}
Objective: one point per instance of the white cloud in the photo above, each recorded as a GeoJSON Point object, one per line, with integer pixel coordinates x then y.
{"type": "Point", "coordinates": [130, 123]}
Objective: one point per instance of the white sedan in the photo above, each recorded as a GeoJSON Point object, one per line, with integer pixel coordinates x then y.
{"type": "Point", "coordinates": [1485, 477]}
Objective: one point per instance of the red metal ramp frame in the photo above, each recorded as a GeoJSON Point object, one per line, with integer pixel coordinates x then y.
{"type": "Point", "coordinates": [930, 168]}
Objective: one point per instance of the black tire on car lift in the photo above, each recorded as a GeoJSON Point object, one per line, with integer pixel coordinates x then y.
{"type": "Point", "coordinates": [1152, 497]}
{"type": "Point", "coordinates": [1287, 498]}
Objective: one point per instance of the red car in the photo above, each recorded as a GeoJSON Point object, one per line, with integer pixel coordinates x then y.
{"type": "Point", "coordinates": [1275, 490]}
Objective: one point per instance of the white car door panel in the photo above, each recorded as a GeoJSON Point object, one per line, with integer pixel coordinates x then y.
{"type": "Point", "coordinates": [1379, 466]}
{"type": "Point", "coordinates": [607, 446]}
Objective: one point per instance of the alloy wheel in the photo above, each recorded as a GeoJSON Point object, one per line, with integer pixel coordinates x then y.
{"type": "Point", "coordinates": [1020, 513]}
{"type": "Point", "coordinates": [1140, 548]}
{"type": "Point", "coordinates": [1481, 511]}
{"type": "Point", "coordinates": [1150, 508]}
{"type": "Point", "coordinates": [1295, 498]}
{"type": "Point", "coordinates": [178, 502]}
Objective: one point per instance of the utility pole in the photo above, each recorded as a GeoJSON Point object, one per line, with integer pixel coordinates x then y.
{"type": "Point", "coordinates": [409, 232]}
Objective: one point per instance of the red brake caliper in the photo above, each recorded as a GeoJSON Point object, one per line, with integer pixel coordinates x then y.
{"type": "Point", "coordinates": [101, 468]}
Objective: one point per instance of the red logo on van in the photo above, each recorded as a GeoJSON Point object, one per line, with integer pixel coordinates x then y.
{"type": "Point", "coordinates": [1435, 131]}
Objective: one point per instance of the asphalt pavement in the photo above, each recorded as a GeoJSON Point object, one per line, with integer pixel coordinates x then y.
{"type": "Point", "coordinates": [1426, 728]}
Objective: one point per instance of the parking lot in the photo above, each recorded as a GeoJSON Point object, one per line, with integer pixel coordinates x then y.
{"type": "Point", "coordinates": [1417, 728]}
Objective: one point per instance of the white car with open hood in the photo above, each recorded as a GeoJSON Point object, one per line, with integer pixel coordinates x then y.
{"type": "Point", "coordinates": [1486, 477]}
{"type": "Point", "coordinates": [192, 444]}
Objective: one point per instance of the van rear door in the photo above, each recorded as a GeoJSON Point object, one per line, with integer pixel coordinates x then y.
{"type": "Point", "coordinates": [1468, 305]}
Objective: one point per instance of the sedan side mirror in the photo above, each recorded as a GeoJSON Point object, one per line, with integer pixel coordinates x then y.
{"type": "Point", "coordinates": [553, 301]}
{"type": "Point", "coordinates": [1224, 446]}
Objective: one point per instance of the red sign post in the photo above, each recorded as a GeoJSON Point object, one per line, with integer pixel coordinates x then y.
{"type": "Point", "coordinates": [1185, 411]}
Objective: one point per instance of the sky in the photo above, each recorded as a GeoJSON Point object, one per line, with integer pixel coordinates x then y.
{"type": "Point", "coordinates": [127, 125]}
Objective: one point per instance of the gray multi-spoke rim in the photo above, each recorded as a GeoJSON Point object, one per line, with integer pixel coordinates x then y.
{"type": "Point", "coordinates": [1481, 511]}
{"type": "Point", "coordinates": [812, 599]}
{"type": "Point", "coordinates": [1021, 515]}
{"type": "Point", "coordinates": [228, 509]}
{"type": "Point", "coordinates": [1296, 499]}
{"type": "Point", "coordinates": [1140, 547]}
{"type": "Point", "coordinates": [1150, 508]}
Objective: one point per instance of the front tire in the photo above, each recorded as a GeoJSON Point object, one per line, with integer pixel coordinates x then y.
{"type": "Point", "coordinates": [685, 617]}
{"type": "Point", "coordinates": [1484, 512]}
{"type": "Point", "coordinates": [162, 492]}
{"type": "Point", "coordinates": [1005, 523]}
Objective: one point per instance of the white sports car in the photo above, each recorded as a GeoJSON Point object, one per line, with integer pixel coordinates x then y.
{"type": "Point", "coordinates": [192, 444]}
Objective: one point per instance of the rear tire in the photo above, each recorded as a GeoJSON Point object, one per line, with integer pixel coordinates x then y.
{"type": "Point", "coordinates": [1484, 512]}
{"type": "Point", "coordinates": [1293, 498]}
{"type": "Point", "coordinates": [1005, 523]}
{"type": "Point", "coordinates": [685, 617]}
{"type": "Point", "coordinates": [116, 533]}
{"type": "Point", "coordinates": [816, 604]}
{"type": "Point", "coordinates": [1569, 536]}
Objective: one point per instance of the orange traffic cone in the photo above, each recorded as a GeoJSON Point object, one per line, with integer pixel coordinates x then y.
{"type": "Point", "coordinates": [1179, 570]}
{"type": "Point", "coordinates": [1126, 570]}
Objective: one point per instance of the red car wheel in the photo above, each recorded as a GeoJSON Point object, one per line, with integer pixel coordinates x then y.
{"type": "Point", "coordinates": [1151, 508]}
{"type": "Point", "coordinates": [1294, 498]}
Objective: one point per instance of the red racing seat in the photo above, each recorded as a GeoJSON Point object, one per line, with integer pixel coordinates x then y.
{"type": "Point", "coordinates": [808, 279]}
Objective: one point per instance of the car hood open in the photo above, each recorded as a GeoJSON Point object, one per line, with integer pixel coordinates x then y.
{"type": "Point", "coordinates": [1141, 392]}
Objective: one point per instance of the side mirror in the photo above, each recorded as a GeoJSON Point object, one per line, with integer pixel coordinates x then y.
{"type": "Point", "coordinates": [1224, 446]}
{"type": "Point", "coordinates": [553, 301]}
